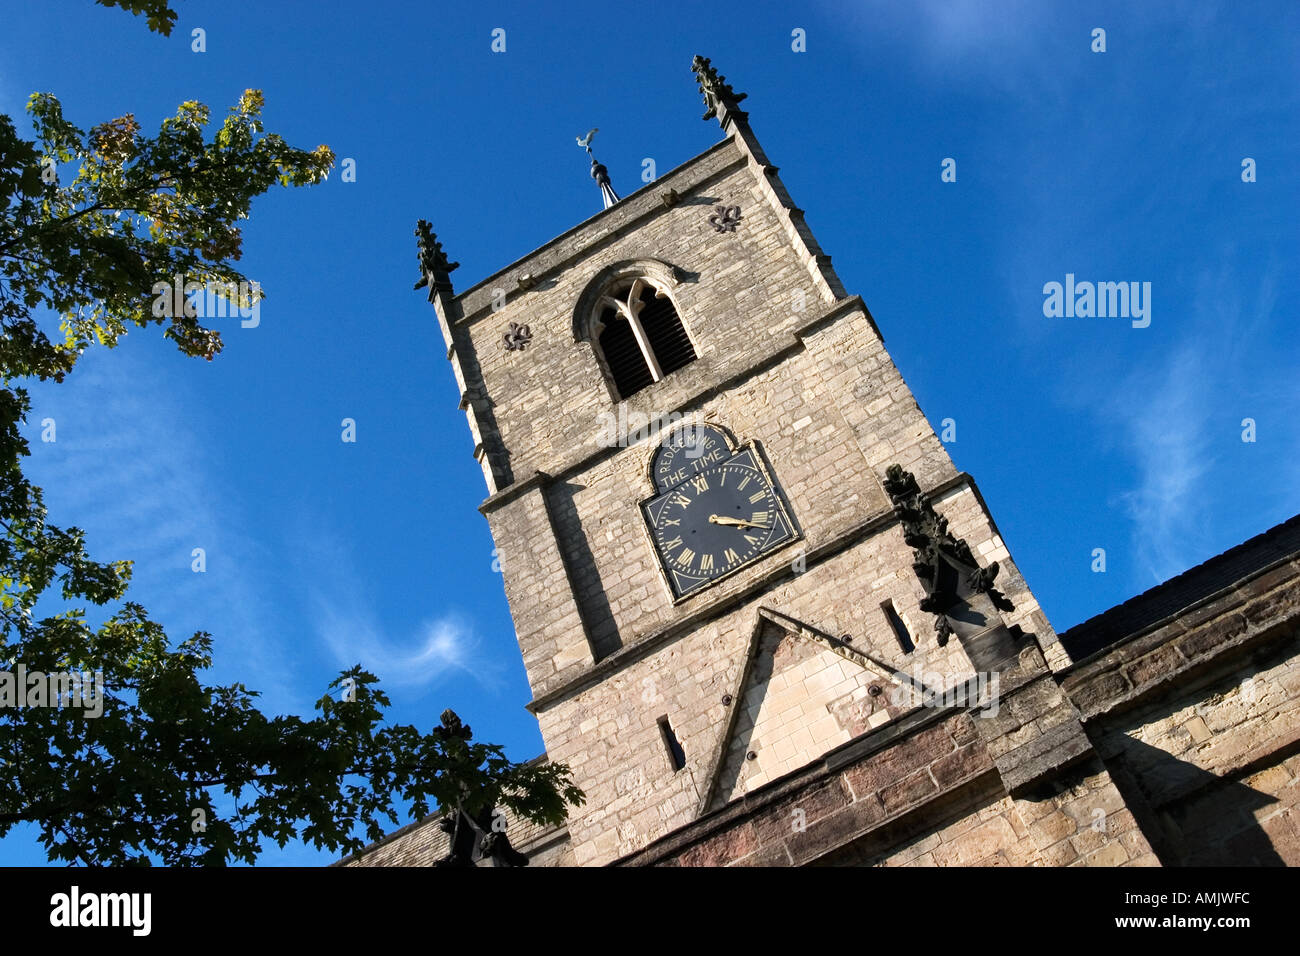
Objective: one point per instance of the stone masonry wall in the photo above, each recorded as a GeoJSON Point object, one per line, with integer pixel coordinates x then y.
{"type": "Point", "coordinates": [801, 699]}
{"type": "Point", "coordinates": [1198, 719]}
{"type": "Point", "coordinates": [607, 731]}
{"type": "Point", "coordinates": [1218, 766]}
{"type": "Point", "coordinates": [926, 797]}
{"type": "Point", "coordinates": [738, 305]}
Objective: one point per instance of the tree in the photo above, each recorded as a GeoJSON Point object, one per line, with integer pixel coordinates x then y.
{"type": "Point", "coordinates": [141, 781]}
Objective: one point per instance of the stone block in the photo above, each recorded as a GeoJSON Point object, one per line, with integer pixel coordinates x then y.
{"type": "Point", "coordinates": [1112, 854]}
{"type": "Point", "coordinates": [911, 790]}
{"type": "Point", "coordinates": [722, 848]}
{"type": "Point", "coordinates": [1212, 635]}
{"type": "Point", "coordinates": [960, 765]}
{"type": "Point", "coordinates": [834, 831]}
{"type": "Point", "coordinates": [883, 768]}
{"type": "Point", "coordinates": [776, 823]}
{"type": "Point", "coordinates": [1159, 663]}
{"type": "Point", "coordinates": [977, 844]}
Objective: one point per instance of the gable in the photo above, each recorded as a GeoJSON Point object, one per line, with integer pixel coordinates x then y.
{"type": "Point", "coordinates": [800, 694]}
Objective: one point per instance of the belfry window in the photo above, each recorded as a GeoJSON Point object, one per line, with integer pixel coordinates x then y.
{"type": "Point", "coordinates": [640, 335]}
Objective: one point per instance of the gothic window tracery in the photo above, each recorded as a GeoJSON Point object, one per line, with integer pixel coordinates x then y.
{"type": "Point", "coordinates": [640, 335]}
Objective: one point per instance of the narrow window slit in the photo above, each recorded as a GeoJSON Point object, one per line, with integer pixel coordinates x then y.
{"type": "Point", "coordinates": [676, 755]}
{"type": "Point", "coordinates": [900, 629]}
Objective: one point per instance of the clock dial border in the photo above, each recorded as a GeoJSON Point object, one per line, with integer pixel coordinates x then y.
{"type": "Point", "coordinates": [757, 462]}
{"type": "Point", "coordinates": [671, 450]}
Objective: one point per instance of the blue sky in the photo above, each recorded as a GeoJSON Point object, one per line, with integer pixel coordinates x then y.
{"type": "Point", "coordinates": [1082, 433]}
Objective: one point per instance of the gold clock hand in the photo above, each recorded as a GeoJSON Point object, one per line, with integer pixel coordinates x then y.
{"type": "Point", "coordinates": [733, 522]}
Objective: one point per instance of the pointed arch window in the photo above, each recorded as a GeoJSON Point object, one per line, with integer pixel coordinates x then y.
{"type": "Point", "coordinates": [640, 334]}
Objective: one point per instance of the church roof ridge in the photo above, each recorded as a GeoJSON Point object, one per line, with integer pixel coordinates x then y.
{"type": "Point", "coordinates": [1222, 572]}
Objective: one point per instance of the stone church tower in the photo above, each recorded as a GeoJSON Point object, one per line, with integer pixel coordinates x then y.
{"type": "Point", "coordinates": [764, 618]}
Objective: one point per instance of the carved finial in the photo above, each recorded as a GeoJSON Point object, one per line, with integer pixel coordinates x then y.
{"type": "Point", "coordinates": [451, 728]}
{"type": "Point", "coordinates": [435, 270]}
{"type": "Point", "coordinates": [718, 94]}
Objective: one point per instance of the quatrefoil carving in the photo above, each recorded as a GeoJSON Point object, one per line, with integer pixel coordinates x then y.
{"type": "Point", "coordinates": [725, 218]}
{"type": "Point", "coordinates": [518, 337]}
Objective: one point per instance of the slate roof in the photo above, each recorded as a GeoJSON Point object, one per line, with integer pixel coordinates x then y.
{"type": "Point", "coordinates": [1219, 573]}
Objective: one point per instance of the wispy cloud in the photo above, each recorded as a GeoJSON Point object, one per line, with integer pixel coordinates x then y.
{"type": "Point", "coordinates": [1164, 418]}
{"type": "Point", "coordinates": [441, 647]}
{"type": "Point", "coordinates": [444, 644]}
{"type": "Point", "coordinates": [971, 27]}
{"type": "Point", "coordinates": [1179, 419]}
{"type": "Point", "coordinates": [128, 466]}
{"type": "Point", "coordinates": [998, 45]}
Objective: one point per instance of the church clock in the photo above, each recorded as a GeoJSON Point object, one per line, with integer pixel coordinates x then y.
{"type": "Point", "coordinates": [721, 513]}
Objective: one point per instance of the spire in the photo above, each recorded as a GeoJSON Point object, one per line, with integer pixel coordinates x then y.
{"type": "Point", "coordinates": [601, 175]}
{"type": "Point", "coordinates": [722, 101]}
{"type": "Point", "coordinates": [598, 170]}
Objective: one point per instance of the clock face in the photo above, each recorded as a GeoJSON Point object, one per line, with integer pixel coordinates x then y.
{"type": "Point", "coordinates": [716, 521]}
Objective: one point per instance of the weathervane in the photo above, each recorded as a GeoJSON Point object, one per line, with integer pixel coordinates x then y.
{"type": "Point", "coordinates": [598, 170]}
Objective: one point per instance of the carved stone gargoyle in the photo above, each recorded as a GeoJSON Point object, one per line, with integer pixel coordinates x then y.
{"type": "Point", "coordinates": [944, 564]}
{"type": "Point", "coordinates": [473, 838]}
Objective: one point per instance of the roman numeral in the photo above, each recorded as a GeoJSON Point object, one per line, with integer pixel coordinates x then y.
{"type": "Point", "coordinates": [676, 521]}
{"type": "Point", "coordinates": [731, 556]}
{"type": "Point", "coordinates": [748, 479]}
{"type": "Point", "coordinates": [706, 562]}
{"type": "Point", "coordinates": [686, 557]}
{"type": "Point", "coordinates": [753, 540]}
{"type": "Point", "coordinates": [700, 483]}
{"type": "Point", "coordinates": [675, 543]}
{"type": "Point", "coordinates": [680, 500]}
{"type": "Point", "coordinates": [759, 517]}
{"type": "Point", "coordinates": [757, 496]}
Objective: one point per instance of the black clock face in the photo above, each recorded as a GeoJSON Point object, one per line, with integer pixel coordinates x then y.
{"type": "Point", "coordinates": [718, 520]}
